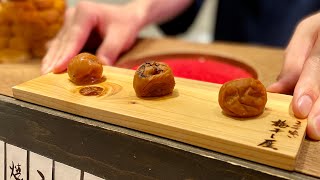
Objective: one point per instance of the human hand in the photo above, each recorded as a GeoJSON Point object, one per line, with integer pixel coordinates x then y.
{"type": "Point", "coordinates": [117, 25]}
{"type": "Point", "coordinates": [300, 74]}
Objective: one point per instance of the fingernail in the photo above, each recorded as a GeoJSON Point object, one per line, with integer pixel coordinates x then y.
{"type": "Point", "coordinates": [44, 70]}
{"type": "Point", "coordinates": [304, 105]}
{"type": "Point", "coordinates": [47, 70]}
{"type": "Point", "coordinates": [104, 60]}
{"type": "Point", "coordinates": [272, 87]}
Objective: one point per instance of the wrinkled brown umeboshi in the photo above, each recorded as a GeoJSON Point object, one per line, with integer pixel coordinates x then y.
{"type": "Point", "coordinates": [153, 79]}
{"type": "Point", "coordinates": [84, 69]}
{"type": "Point", "coordinates": [245, 97]}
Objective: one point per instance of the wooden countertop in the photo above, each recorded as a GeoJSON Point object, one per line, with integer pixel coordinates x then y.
{"type": "Point", "coordinates": [266, 61]}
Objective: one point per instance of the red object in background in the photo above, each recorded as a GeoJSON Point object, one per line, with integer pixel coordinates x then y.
{"type": "Point", "coordinates": [204, 69]}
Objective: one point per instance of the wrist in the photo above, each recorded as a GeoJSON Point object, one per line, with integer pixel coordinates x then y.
{"type": "Point", "coordinates": [157, 11]}
{"type": "Point", "coordinates": [140, 12]}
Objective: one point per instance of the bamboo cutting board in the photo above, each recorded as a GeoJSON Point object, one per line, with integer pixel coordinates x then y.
{"type": "Point", "coordinates": [191, 114]}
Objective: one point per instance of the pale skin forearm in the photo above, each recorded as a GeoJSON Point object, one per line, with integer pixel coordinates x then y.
{"type": "Point", "coordinates": [118, 26]}
{"type": "Point", "coordinates": [158, 11]}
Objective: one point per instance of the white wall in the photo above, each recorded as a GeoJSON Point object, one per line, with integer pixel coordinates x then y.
{"type": "Point", "coordinates": [201, 31]}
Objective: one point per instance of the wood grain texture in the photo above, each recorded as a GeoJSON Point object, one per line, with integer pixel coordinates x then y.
{"type": "Point", "coordinates": [13, 74]}
{"type": "Point", "coordinates": [267, 60]}
{"type": "Point", "coordinates": [113, 152]}
{"type": "Point", "coordinates": [308, 159]}
{"type": "Point", "coordinates": [191, 115]}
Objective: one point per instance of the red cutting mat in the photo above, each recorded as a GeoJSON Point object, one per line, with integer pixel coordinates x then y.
{"type": "Point", "coordinates": [204, 69]}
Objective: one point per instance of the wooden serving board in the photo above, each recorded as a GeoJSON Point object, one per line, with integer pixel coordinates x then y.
{"type": "Point", "coordinates": [191, 114]}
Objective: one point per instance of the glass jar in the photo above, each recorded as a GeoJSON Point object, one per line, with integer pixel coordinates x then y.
{"type": "Point", "coordinates": [26, 26]}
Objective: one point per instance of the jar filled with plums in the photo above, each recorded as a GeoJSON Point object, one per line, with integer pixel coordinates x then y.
{"type": "Point", "coordinates": [26, 26]}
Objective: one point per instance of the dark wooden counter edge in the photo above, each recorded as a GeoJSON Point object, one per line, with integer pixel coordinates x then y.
{"type": "Point", "coordinates": [114, 152]}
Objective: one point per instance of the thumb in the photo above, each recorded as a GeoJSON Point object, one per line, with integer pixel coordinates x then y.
{"type": "Point", "coordinates": [297, 52]}
{"type": "Point", "coordinates": [306, 98]}
{"type": "Point", "coordinates": [285, 84]}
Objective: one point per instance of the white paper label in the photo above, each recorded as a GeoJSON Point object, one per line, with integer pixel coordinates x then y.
{"type": "Point", "coordinates": [40, 167]}
{"type": "Point", "coordinates": [2, 160]}
{"type": "Point", "coordinates": [88, 176]}
{"type": "Point", "coordinates": [65, 172]}
{"type": "Point", "coordinates": [16, 163]}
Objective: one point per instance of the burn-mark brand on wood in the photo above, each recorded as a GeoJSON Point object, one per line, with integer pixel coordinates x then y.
{"type": "Point", "coordinates": [269, 143]}
{"type": "Point", "coordinates": [294, 130]}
